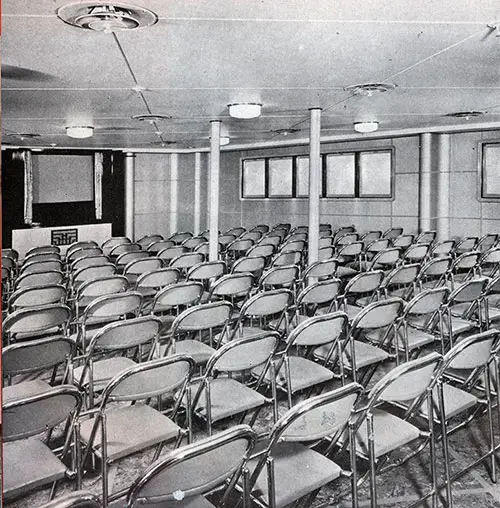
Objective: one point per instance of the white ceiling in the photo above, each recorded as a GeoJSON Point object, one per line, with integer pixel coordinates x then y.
{"type": "Point", "coordinates": [289, 55]}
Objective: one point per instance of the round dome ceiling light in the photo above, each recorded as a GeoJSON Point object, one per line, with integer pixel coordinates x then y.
{"type": "Point", "coordinates": [106, 17]}
{"type": "Point", "coordinates": [245, 110]}
{"type": "Point", "coordinates": [467, 115]}
{"type": "Point", "coordinates": [223, 140]}
{"type": "Point", "coordinates": [151, 118]}
{"type": "Point", "coordinates": [80, 131]}
{"type": "Point", "coordinates": [365, 127]}
{"type": "Point", "coordinates": [369, 89]}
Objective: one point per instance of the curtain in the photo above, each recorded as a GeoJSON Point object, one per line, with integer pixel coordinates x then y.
{"type": "Point", "coordinates": [98, 171]}
{"type": "Point", "coordinates": [28, 187]}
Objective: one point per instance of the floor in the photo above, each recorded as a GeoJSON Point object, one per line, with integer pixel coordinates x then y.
{"type": "Point", "coordinates": [398, 488]}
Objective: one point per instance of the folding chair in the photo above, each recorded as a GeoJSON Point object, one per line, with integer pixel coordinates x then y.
{"type": "Point", "coordinates": [489, 263]}
{"type": "Point", "coordinates": [111, 243]}
{"type": "Point", "coordinates": [89, 273]}
{"type": "Point", "coordinates": [263, 228]}
{"type": "Point", "coordinates": [217, 396]}
{"type": "Point", "coordinates": [324, 268]}
{"type": "Point", "coordinates": [291, 245]}
{"type": "Point", "coordinates": [491, 301]}
{"type": "Point", "coordinates": [487, 242]}
{"type": "Point", "coordinates": [124, 248]}
{"type": "Point", "coordinates": [32, 366]}
{"type": "Point", "coordinates": [185, 476]}
{"type": "Point", "coordinates": [180, 236]}
{"type": "Point", "coordinates": [426, 237]}
{"type": "Point", "coordinates": [170, 253]}
{"type": "Point", "coordinates": [114, 348]}
{"type": "Point", "coordinates": [36, 322]}
{"type": "Point", "coordinates": [434, 273]}
{"type": "Point", "coordinates": [125, 422]}
{"type": "Point", "coordinates": [88, 261]}
{"type": "Point", "coordinates": [371, 336]}
{"type": "Point", "coordinates": [416, 253]}
{"type": "Point", "coordinates": [31, 461]}
{"type": "Point", "coordinates": [349, 254]}
{"type": "Point", "coordinates": [255, 236]}
{"type": "Point", "coordinates": [291, 257]}
{"type": "Point", "coordinates": [236, 231]}
{"type": "Point", "coordinates": [442, 249]}
{"type": "Point", "coordinates": [193, 242]}
{"type": "Point", "coordinates": [237, 249]}
{"type": "Point", "coordinates": [422, 322]}
{"type": "Point", "coordinates": [84, 252]}
{"type": "Point", "coordinates": [234, 287]}
{"type": "Point", "coordinates": [372, 248]}
{"type": "Point", "coordinates": [160, 245]}
{"type": "Point", "coordinates": [344, 238]}
{"type": "Point", "coordinates": [206, 272]}
{"type": "Point", "coordinates": [326, 252]}
{"type": "Point", "coordinates": [386, 259]}
{"type": "Point", "coordinates": [186, 261]}
{"type": "Point", "coordinates": [43, 249]}
{"type": "Point", "coordinates": [279, 277]}
{"type": "Point", "coordinates": [126, 258]}
{"type": "Point", "coordinates": [261, 250]}
{"type": "Point", "coordinates": [392, 233]}
{"type": "Point", "coordinates": [464, 267]}
{"type": "Point", "coordinates": [322, 336]}
{"type": "Point", "coordinates": [253, 265]}
{"type": "Point", "coordinates": [80, 245]}
{"type": "Point", "coordinates": [379, 434]}
{"type": "Point", "coordinates": [194, 327]}
{"type": "Point", "coordinates": [370, 237]}
{"type": "Point", "coordinates": [41, 266]}
{"type": "Point", "coordinates": [403, 241]}
{"type": "Point", "coordinates": [41, 256]}
{"type": "Point", "coordinates": [271, 239]}
{"type": "Point", "coordinates": [465, 245]}
{"type": "Point", "coordinates": [39, 279]}
{"type": "Point", "coordinates": [288, 469]}
{"type": "Point", "coordinates": [401, 281]}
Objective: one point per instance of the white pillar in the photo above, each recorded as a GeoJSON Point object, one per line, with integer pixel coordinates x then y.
{"type": "Point", "coordinates": [213, 247]}
{"type": "Point", "coordinates": [425, 189]}
{"type": "Point", "coordinates": [129, 194]}
{"type": "Point", "coordinates": [174, 192]}
{"type": "Point", "coordinates": [314, 184]}
{"type": "Point", "coordinates": [443, 197]}
{"type": "Point", "coordinates": [197, 193]}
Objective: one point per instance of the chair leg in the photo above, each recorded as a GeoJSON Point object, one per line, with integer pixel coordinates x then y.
{"type": "Point", "coordinates": [373, 475]}
{"type": "Point", "coordinates": [444, 443]}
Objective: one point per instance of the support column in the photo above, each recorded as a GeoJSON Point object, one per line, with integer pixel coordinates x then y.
{"type": "Point", "coordinates": [213, 243]}
{"type": "Point", "coordinates": [443, 187]}
{"type": "Point", "coordinates": [129, 194]}
{"type": "Point", "coordinates": [197, 193]}
{"type": "Point", "coordinates": [314, 185]}
{"type": "Point", "coordinates": [425, 190]}
{"type": "Point", "coordinates": [174, 192]}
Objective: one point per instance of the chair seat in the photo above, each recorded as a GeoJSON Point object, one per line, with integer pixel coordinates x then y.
{"type": "Point", "coordinates": [390, 433]}
{"type": "Point", "coordinates": [346, 271]}
{"type": "Point", "coordinates": [192, 502]}
{"type": "Point", "coordinates": [418, 338]}
{"type": "Point", "coordinates": [459, 325]}
{"type": "Point", "coordinates": [304, 373]}
{"type": "Point", "coordinates": [28, 464]}
{"type": "Point", "coordinates": [366, 354]}
{"type": "Point", "coordinates": [298, 470]}
{"type": "Point", "coordinates": [197, 350]}
{"type": "Point", "coordinates": [229, 397]}
{"type": "Point", "coordinates": [104, 371]}
{"type": "Point", "coordinates": [130, 429]}
{"type": "Point", "coordinates": [243, 332]}
{"type": "Point", "coordinates": [456, 401]}
{"type": "Point", "coordinates": [24, 389]}
{"type": "Point", "coordinates": [351, 310]}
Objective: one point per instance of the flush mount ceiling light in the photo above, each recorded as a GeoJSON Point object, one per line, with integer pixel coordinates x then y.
{"type": "Point", "coordinates": [369, 89]}
{"type": "Point", "coordinates": [151, 118]}
{"type": "Point", "coordinates": [245, 110]}
{"type": "Point", "coordinates": [467, 115]}
{"type": "Point", "coordinates": [80, 131]}
{"type": "Point", "coordinates": [365, 127]}
{"type": "Point", "coordinates": [285, 132]}
{"type": "Point", "coordinates": [106, 17]}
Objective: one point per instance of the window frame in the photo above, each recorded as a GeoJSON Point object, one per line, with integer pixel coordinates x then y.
{"type": "Point", "coordinates": [481, 194]}
{"type": "Point", "coordinates": [323, 180]}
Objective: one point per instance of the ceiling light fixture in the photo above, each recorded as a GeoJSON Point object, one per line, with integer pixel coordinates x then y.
{"type": "Point", "coordinates": [467, 115]}
{"type": "Point", "coordinates": [245, 110]}
{"type": "Point", "coordinates": [106, 17]}
{"type": "Point", "coordinates": [223, 140]}
{"type": "Point", "coordinates": [80, 131]}
{"type": "Point", "coordinates": [369, 89]}
{"type": "Point", "coordinates": [365, 127]}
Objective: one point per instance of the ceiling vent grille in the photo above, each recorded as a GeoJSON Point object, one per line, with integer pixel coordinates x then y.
{"type": "Point", "coordinates": [369, 89]}
{"type": "Point", "coordinates": [106, 17]}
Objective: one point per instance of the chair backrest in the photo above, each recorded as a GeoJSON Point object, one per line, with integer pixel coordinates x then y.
{"type": "Point", "coordinates": [293, 245]}
{"type": "Point", "coordinates": [232, 285]}
{"type": "Point", "coordinates": [37, 320]}
{"type": "Point", "coordinates": [261, 250]}
{"type": "Point", "coordinates": [39, 279]}
{"type": "Point", "coordinates": [202, 317]}
{"type": "Point", "coordinates": [468, 291]}
{"type": "Point", "coordinates": [180, 237]}
{"type": "Point", "coordinates": [240, 245]}
{"type": "Point", "coordinates": [128, 257]}
{"type": "Point", "coordinates": [435, 267]}
{"type": "Point", "coordinates": [292, 257]}
{"type": "Point", "coordinates": [319, 293]}
{"type": "Point", "coordinates": [366, 282]}
{"type": "Point", "coordinates": [36, 355]}
{"type": "Point", "coordinates": [94, 272]}
{"type": "Point", "coordinates": [80, 245]}
{"type": "Point", "coordinates": [271, 239]}
{"type": "Point", "coordinates": [279, 276]}
{"type": "Point", "coordinates": [472, 352]}
{"type": "Point", "coordinates": [8, 262]}
{"type": "Point", "coordinates": [403, 241]}
{"type": "Point", "coordinates": [255, 236]}
{"type": "Point", "coordinates": [487, 242]}
{"type": "Point", "coordinates": [123, 248]}
{"type": "Point", "coordinates": [84, 252]}
{"type": "Point", "coordinates": [263, 228]}
{"type": "Point", "coordinates": [297, 236]}
{"type": "Point", "coordinates": [226, 239]}
{"type": "Point", "coordinates": [427, 302]}
{"type": "Point", "coordinates": [89, 261]}
{"type": "Point", "coordinates": [28, 416]}
{"type": "Point", "coordinates": [109, 244]}
{"type": "Point", "coordinates": [253, 265]}
{"type": "Point", "coordinates": [491, 256]}
{"type": "Point", "coordinates": [378, 314]}
{"type": "Point", "coordinates": [147, 240]}
{"type": "Point", "coordinates": [187, 260]}
{"type": "Point", "coordinates": [443, 248]}
{"type": "Point", "coordinates": [371, 236]}
{"type": "Point", "coordinates": [160, 245]}
{"type": "Point", "coordinates": [41, 256]}
{"type": "Point", "coordinates": [266, 303]}
{"type": "Point", "coordinates": [409, 381]}
{"type": "Point", "coordinates": [426, 237]}
{"type": "Point", "coordinates": [416, 252]}
{"type": "Point", "coordinates": [42, 266]}
{"type": "Point", "coordinates": [195, 469]}
{"type": "Point", "coordinates": [236, 231]}
{"type": "Point", "coordinates": [192, 243]}
{"type": "Point", "coordinates": [377, 245]}
{"type": "Point", "coordinates": [172, 252]}
{"type": "Point", "coordinates": [114, 306]}
{"type": "Point", "coordinates": [157, 279]}
{"type": "Point", "coordinates": [402, 275]}
{"type": "Point", "coordinates": [465, 261]}
{"type": "Point", "coordinates": [207, 270]}
{"type": "Point", "coordinates": [101, 286]}
{"type": "Point", "coordinates": [326, 252]}
{"type": "Point", "coordinates": [351, 249]}
{"type": "Point", "coordinates": [466, 244]}
{"type": "Point", "coordinates": [139, 266]}
{"type": "Point", "coordinates": [43, 249]}
{"type": "Point", "coordinates": [322, 268]}
{"type": "Point", "coordinates": [345, 238]}
{"type": "Point", "coordinates": [36, 296]}
{"type": "Point", "coordinates": [393, 233]}
{"type": "Point", "coordinates": [387, 257]}
{"type": "Point", "coordinates": [318, 330]}
{"type": "Point", "coordinates": [177, 295]}
{"type": "Point", "coordinates": [10, 253]}
{"type": "Point", "coordinates": [325, 241]}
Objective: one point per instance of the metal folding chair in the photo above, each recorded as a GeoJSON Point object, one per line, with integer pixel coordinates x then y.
{"type": "Point", "coordinates": [137, 267]}
{"type": "Point", "coordinates": [146, 240]}
{"type": "Point", "coordinates": [149, 283]}
{"type": "Point", "coordinates": [36, 296]}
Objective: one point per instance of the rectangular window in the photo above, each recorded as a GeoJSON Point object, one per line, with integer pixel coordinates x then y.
{"type": "Point", "coordinates": [340, 175]}
{"type": "Point", "coordinates": [280, 178]}
{"type": "Point", "coordinates": [375, 174]}
{"type": "Point", "coordinates": [302, 177]}
{"type": "Point", "coordinates": [490, 170]}
{"type": "Point", "coordinates": [254, 178]}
